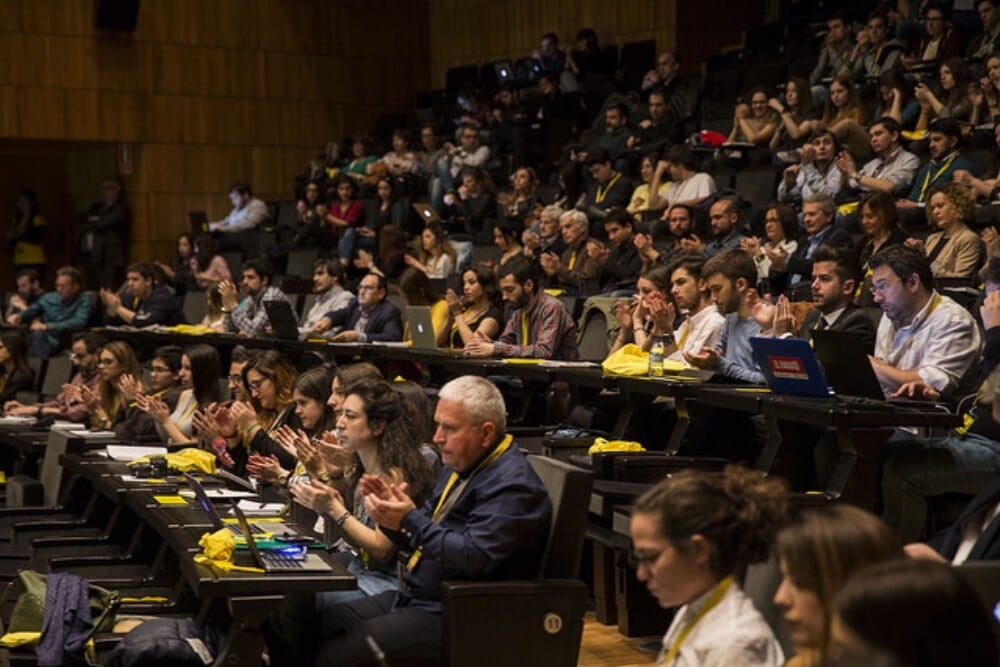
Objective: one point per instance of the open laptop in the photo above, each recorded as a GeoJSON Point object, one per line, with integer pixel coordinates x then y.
{"type": "Point", "coordinates": [503, 71]}
{"type": "Point", "coordinates": [790, 366]}
{"type": "Point", "coordinates": [421, 328]}
{"type": "Point", "coordinates": [427, 213]}
{"type": "Point", "coordinates": [284, 324]}
{"type": "Point", "coordinates": [845, 360]}
{"type": "Point", "coordinates": [199, 222]}
{"type": "Point", "coordinates": [273, 527]}
{"type": "Point", "coordinates": [293, 558]}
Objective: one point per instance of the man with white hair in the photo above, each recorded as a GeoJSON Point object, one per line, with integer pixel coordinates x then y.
{"type": "Point", "coordinates": [487, 518]}
{"type": "Point", "coordinates": [575, 271]}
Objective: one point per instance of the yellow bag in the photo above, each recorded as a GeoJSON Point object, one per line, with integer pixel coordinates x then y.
{"type": "Point", "coordinates": [603, 445]}
{"type": "Point", "coordinates": [189, 459]}
{"type": "Point", "coordinates": [633, 360]}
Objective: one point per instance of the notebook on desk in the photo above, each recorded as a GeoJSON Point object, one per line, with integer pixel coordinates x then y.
{"type": "Point", "coordinates": [293, 558]}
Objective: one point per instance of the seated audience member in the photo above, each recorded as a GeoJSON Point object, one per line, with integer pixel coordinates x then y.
{"type": "Point", "coordinates": [390, 257]}
{"type": "Point", "coordinates": [639, 205]}
{"type": "Point", "coordinates": [68, 404]}
{"type": "Point", "coordinates": [268, 377]}
{"type": "Point", "coordinates": [401, 161]}
{"type": "Point", "coordinates": [988, 41]}
{"type": "Point", "coordinates": [724, 221]}
{"type": "Point", "coordinates": [376, 426]}
{"type": "Point", "coordinates": [754, 122]}
{"type": "Point", "coordinates": [611, 143]}
{"type": "Point", "coordinates": [214, 318]}
{"type": "Point", "coordinates": [15, 373]}
{"type": "Point", "coordinates": [610, 188]}
{"type": "Point", "coordinates": [345, 219]}
{"type": "Point", "coordinates": [923, 614]}
{"type": "Point", "coordinates": [618, 262]}
{"type": "Point", "coordinates": [666, 73]}
{"type": "Point", "coordinates": [689, 187]}
{"type": "Point", "coordinates": [361, 159]}
{"type": "Point", "coordinates": [844, 115]}
{"type": "Point", "coordinates": [437, 254]}
{"type": "Point", "coordinates": [430, 152]}
{"type": "Point", "coordinates": [248, 211]}
{"type": "Point", "coordinates": [833, 54]}
{"type": "Point", "coordinates": [816, 174]}
{"type": "Point", "coordinates": [661, 130]}
{"type": "Point", "coordinates": [142, 302]}
{"type": "Point", "coordinates": [474, 203]}
{"type": "Point", "coordinates": [923, 336]}
{"type": "Point", "coordinates": [200, 369]}
{"type": "Point", "coordinates": [248, 317]}
{"type": "Point", "coordinates": [835, 277]}
{"type": "Point", "coordinates": [781, 231]}
{"type": "Point", "coordinates": [328, 286]}
{"type": "Point", "coordinates": [507, 239]}
{"type": "Point", "coordinates": [418, 290]}
{"type": "Point", "coordinates": [517, 206]}
{"type": "Point", "coordinates": [369, 318]}
{"type": "Point", "coordinates": [702, 323]}
{"type": "Point", "coordinates": [955, 251]}
{"type": "Point", "coordinates": [390, 210]}
{"type": "Point", "coordinates": [942, 40]}
{"type": "Point", "coordinates": [538, 326]}
{"type": "Point", "coordinates": [792, 274]}
{"type": "Point", "coordinates": [694, 535]}
{"type": "Point", "coordinates": [795, 118]}
{"type": "Point", "coordinates": [469, 153]}
{"type": "Point", "coordinates": [177, 274]}
{"type": "Point", "coordinates": [549, 56]}
{"type": "Point", "coordinates": [817, 552]}
{"type": "Point", "coordinates": [730, 276]}
{"type": "Point", "coordinates": [659, 248]}
{"type": "Point", "coordinates": [879, 220]}
{"type": "Point", "coordinates": [206, 266]}
{"type": "Point", "coordinates": [954, 102]}
{"type": "Point", "coordinates": [945, 159]}
{"type": "Point", "coordinates": [107, 405]}
{"type": "Point", "coordinates": [495, 529]}
{"type": "Point", "coordinates": [28, 290]}
{"type": "Point", "coordinates": [896, 100]}
{"type": "Point", "coordinates": [317, 413]}
{"type": "Point", "coordinates": [550, 238]}
{"type": "Point", "coordinates": [985, 188]}
{"type": "Point", "coordinates": [574, 271]}
{"type": "Point", "coordinates": [890, 171]}
{"type": "Point", "coordinates": [135, 422]}
{"type": "Point", "coordinates": [64, 309]}
{"type": "Point", "coordinates": [875, 53]}
{"type": "Point", "coordinates": [477, 314]}
{"type": "Point", "coordinates": [650, 315]}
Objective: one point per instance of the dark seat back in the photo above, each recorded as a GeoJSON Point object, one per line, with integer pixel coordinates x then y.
{"type": "Point", "coordinates": [569, 491]}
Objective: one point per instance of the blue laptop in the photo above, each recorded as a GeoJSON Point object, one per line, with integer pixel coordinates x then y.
{"type": "Point", "coordinates": [790, 367]}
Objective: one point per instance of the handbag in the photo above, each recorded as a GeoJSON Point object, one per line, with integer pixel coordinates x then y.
{"type": "Point", "coordinates": [29, 610]}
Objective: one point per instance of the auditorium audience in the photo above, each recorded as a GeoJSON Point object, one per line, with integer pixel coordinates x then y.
{"type": "Point", "coordinates": [574, 271]}
{"type": "Point", "coordinates": [69, 405]}
{"type": "Point", "coordinates": [618, 262]}
{"type": "Point", "coordinates": [15, 373]}
{"type": "Point", "coordinates": [955, 251]}
{"type": "Point", "coordinates": [107, 405]}
{"type": "Point", "coordinates": [477, 314]}
{"type": "Point", "coordinates": [507, 238]}
{"type": "Point", "coordinates": [328, 288]}
{"type": "Point", "coordinates": [781, 229]}
{"type": "Point", "coordinates": [518, 205]}
{"type": "Point", "coordinates": [639, 205]}
{"type": "Point", "coordinates": [651, 314]}
{"type": "Point", "coordinates": [469, 153]}
{"type": "Point", "coordinates": [178, 273]}
{"type": "Point", "coordinates": [142, 302]}
{"type": "Point", "coordinates": [437, 254]}
{"type": "Point", "coordinates": [248, 211]}
{"type": "Point", "coordinates": [369, 318]}
{"type": "Point", "coordinates": [844, 115]}
{"type": "Point", "coordinates": [28, 289]}
{"type": "Point", "coordinates": [136, 423]}
{"type": "Point", "coordinates": [795, 117]}
{"type": "Point", "coordinates": [816, 173]}
{"type": "Point", "coordinates": [693, 537]}
{"type": "Point", "coordinates": [890, 171]}
{"type": "Point", "coordinates": [63, 310]}
{"type": "Point", "coordinates": [207, 267]}
{"type": "Point", "coordinates": [248, 316]}
{"type": "Point", "coordinates": [879, 220]}
{"type": "Point", "coordinates": [200, 369]}
{"type": "Point", "coordinates": [724, 222]}
{"type": "Point", "coordinates": [418, 290]}
{"type": "Point", "coordinates": [943, 139]}
{"type": "Point", "coordinates": [791, 273]}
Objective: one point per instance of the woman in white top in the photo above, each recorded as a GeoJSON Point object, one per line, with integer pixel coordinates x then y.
{"type": "Point", "coordinates": [781, 227]}
{"type": "Point", "coordinates": [200, 373]}
{"type": "Point", "coordinates": [693, 534]}
{"type": "Point", "coordinates": [437, 254]}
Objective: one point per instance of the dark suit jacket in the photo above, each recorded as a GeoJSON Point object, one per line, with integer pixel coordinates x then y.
{"type": "Point", "coordinates": [385, 323]}
{"type": "Point", "coordinates": [854, 320]}
{"type": "Point", "coordinates": [987, 547]}
{"type": "Point", "coordinates": [801, 265]}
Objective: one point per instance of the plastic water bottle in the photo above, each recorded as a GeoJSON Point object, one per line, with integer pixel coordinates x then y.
{"type": "Point", "coordinates": [656, 358]}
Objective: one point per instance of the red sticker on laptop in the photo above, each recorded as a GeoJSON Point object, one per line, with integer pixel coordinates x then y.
{"type": "Point", "coordinates": [788, 368]}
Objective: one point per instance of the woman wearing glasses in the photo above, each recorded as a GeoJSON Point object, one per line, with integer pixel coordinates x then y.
{"type": "Point", "coordinates": [694, 535]}
{"type": "Point", "coordinates": [113, 361]}
{"type": "Point", "coordinates": [199, 375]}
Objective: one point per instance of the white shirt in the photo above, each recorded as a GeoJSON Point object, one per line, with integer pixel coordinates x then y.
{"type": "Point", "coordinates": [732, 634]}
{"type": "Point", "coordinates": [942, 344]}
{"type": "Point", "coordinates": [705, 327]}
{"type": "Point", "coordinates": [699, 186]}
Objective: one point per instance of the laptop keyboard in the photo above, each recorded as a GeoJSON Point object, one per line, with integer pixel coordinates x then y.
{"type": "Point", "coordinates": [280, 561]}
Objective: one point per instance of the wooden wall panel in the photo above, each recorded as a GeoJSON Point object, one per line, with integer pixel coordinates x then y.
{"type": "Point", "coordinates": [204, 93]}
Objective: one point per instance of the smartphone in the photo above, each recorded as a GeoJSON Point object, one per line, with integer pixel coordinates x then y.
{"type": "Point", "coordinates": [288, 538]}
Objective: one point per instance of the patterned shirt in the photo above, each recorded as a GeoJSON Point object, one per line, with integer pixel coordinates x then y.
{"type": "Point", "coordinates": [551, 332]}
{"type": "Point", "coordinates": [250, 318]}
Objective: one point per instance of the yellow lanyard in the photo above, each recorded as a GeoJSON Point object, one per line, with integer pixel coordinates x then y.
{"type": "Point", "coordinates": [494, 455]}
{"type": "Point", "coordinates": [927, 177]}
{"type": "Point", "coordinates": [189, 411]}
{"type": "Point", "coordinates": [572, 260]}
{"type": "Point", "coordinates": [720, 591]}
{"type": "Point", "coordinates": [135, 303]}
{"type": "Point", "coordinates": [156, 395]}
{"type": "Point", "coordinates": [684, 336]}
{"type": "Point", "coordinates": [524, 327]}
{"type": "Point", "coordinates": [602, 192]}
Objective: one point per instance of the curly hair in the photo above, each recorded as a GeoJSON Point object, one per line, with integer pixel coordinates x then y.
{"type": "Point", "coordinates": [399, 441]}
{"type": "Point", "coordinates": [958, 197]}
{"type": "Point", "coordinates": [738, 512]}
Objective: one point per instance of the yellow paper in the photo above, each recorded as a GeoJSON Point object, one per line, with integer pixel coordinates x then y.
{"type": "Point", "coordinates": [524, 361]}
{"type": "Point", "coordinates": [170, 500]}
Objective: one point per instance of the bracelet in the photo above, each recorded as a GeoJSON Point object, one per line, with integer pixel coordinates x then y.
{"type": "Point", "coordinates": [342, 519]}
{"type": "Point", "coordinates": [283, 479]}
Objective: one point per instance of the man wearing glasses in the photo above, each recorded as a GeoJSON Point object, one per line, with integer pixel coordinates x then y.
{"type": "Point", "coordinates": [925, 340]}
{"type": "Point", "coordinates": [369, 318]}
{"type": "Point", "coordinates": [68, 404]}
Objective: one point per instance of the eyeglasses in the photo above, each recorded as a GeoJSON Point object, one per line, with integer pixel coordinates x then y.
{"type": "Point", "coordinates": [883, 286]}
{"type": "Point", "coordinates": [236, 377]}
{"type": "Point", "coordinates": [256, 384]}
